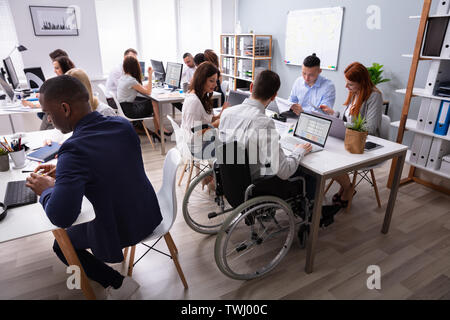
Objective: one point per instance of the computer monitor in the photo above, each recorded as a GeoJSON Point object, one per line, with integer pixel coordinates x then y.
{"type": "Point", "coordinates": [158, 70]}
{"type": "Point", "coordinates": [142, 64]}
{"type": "Point", "coordinates": [35, 77]}
{"type": "Point", "coordinates": [12, 75]}
{"type": "Point", "coordinates": [237, 97]}
{"type": "Point", "coordinates": [173, 74]}
{"type": "Point", "coordinates": [6, 88]}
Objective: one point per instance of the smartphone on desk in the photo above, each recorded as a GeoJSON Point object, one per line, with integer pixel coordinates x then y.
{"type": "Point", "coordinates": [372, 146]}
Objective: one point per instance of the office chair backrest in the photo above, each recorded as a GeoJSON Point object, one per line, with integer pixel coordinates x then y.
{"type": "Point", "coordinates": [180, 137]}
{"type": "Point", "coordinates": [385, 126]}
{"type": "Point", "coordinates": [234, 170]}
{"type": "Point", "coordinates": [35, 77]}
{"type": "Point", "coordinates": [167, 197]}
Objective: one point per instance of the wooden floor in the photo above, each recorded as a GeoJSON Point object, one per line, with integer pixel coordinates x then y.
{"type": "Point", "coordinates": [414, 257]}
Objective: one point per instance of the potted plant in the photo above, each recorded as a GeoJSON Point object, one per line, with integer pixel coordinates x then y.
{"type": "Point", "coordinates": [4, 160]}
{"type": "Point", "coordinates": [375, 72]}
{"type": "Point", "coordinates": [356, 135]}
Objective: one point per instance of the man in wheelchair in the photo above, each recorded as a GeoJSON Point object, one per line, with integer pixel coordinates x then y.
{"type": "Point", "coordinates": [272, 171]}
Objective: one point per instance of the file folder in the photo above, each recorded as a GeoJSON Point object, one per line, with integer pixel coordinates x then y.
{"type": "Point", "coordinates": [443, 119]}
{"type": "Point", "coordinates": [445, 52]}
{"type": "Point", "coordinates": [432, 76]}
{"type": "Point", "coordinates": [415, 148]}
{"type": "Point", "coordinates": [439, 148]}
{"type": "Point", "coordinates": [433, 111]}
{"type": "Point", "coordinates": [423, 113]}
{"type": "Point", "coordinates": [424, 151]}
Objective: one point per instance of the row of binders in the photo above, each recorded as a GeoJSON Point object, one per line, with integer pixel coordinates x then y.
{"type": "Point", "coordinates": [228, 66]}
{"type": "Point", "coordinates": [434, 116]}
{"type": "Point", "coordinates": [228, 45]}
{"type": "Point", "coordinates": [429, 152]}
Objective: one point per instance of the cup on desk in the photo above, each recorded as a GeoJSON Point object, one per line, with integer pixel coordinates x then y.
{"type": "Point", "coordinates": [4, 162]}
{"type": "Point", "coordinates": [18, 158]}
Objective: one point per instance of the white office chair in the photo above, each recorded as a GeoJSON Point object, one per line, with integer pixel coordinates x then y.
{"type": "Point", "coordinates": [122, 114]}
{"type": "Point", "coordinates": [167, 200]}
{"type": "Point", "coordinates": [187, 157]}
{"type": "Point", "coordinates": [102, 93]}
{"type": "Point", "coordinates": [225, 86]}
{"type": "Point", "coordinates": [364, 172]}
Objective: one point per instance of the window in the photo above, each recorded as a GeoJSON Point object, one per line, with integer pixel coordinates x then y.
{"type": "Point", "coordinates": [195, 25]}
{"type": "Point", "coordinates": [8, 39]}
{"type": "Point", "coordinates": [116, 30]}
{"type": "Point", "coordinates": [158, 30]}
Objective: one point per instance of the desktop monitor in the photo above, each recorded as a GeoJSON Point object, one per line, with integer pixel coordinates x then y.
{"type": "Point", "coordinates": [35, 77]}
{"type": "Point", "coordinates": [12, 75]}
{"type": "Point", "coordinates": [142, 64]}
{"type": "Point", "coordinates": [6, 88]}
{"type": "Point", "coordinates": [237, 97]}
{"type": "Point", "coordinates": [173, 74]}
{"type": "Point", "coordinates": [158, 70]}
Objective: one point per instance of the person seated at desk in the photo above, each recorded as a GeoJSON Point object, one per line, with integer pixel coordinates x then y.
{"type": "Point", "coordinates": [199, 58]}
{"type": "Point", "coordinates": [96, 105]}
{"type": "Point", "coordinates": [211, 56]}
{"type": "Point", "coordinates": [188, 73]}
{"type": "Point", "coordinates": [125, 203]}
{"type": "Point", "coordinates": [198, 105]}
{"type": "Point", "coordinates": [247, 124]}
{"type": "Point", "coordinates": [134, 107]}
{"type": "Point", "coordinates": [312, 92]}
{"type": "Point", "coordinates": [61, 65]}
{"type": "Point", "coordinates": [364, 99]}
{"type": "Point", "coordinates": [117, 72]}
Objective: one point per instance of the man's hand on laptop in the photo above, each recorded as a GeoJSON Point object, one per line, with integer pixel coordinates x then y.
{"type": "Point", "coordinates": [306, 146]}
{"type": "Point", "coordinates": [297, 108]}
{"type": "Point", "coordinates": [38, 183]}
{"type": "Point", "coordinates": [327, 109]}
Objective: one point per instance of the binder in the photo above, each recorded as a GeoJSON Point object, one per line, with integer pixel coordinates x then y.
{"type": "Point", "coordinates": [432, 75]}
{"type": "Point", "coordinates": [443, 119]}
{"type": "Point", "coordinates": [423, 113]}
{"type": "Point", "coordinates": [433, 112]}
{"type": "Point", "coordinates": [424, 151]}
{"type": "Point", "coordinates": [415, 148]}
{"type": "Point", "coordinates": [443, 8]}
{"type": "Point", "coordinates": [439, 148]}
{"type": "Point", "coordinates": [438, 74]}
{"type": "Point", "coordinates": [445, 52]}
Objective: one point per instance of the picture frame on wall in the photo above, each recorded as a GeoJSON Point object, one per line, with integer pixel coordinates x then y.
{"type": "Point", "coordinates": [54, 21]}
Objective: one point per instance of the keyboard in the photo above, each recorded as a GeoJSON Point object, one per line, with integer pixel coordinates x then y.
{"type": "Point", "coordinates": [289, 143]}
{"type": "Point", "coordinates": [18, 194]}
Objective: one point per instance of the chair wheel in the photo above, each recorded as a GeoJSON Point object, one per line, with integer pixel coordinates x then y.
{"type": "Point", "coordinates": [303, 234]}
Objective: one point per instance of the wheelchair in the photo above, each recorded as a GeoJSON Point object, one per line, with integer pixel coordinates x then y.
{"type": "Point", "coordinates": [254, 231]}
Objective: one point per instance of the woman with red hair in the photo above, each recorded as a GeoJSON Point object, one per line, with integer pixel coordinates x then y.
{"type": "Point", "coordinates": [364, 99]}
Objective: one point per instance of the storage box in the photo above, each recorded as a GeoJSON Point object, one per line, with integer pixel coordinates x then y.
{"type": "Point", "coordinates": [445, 165]}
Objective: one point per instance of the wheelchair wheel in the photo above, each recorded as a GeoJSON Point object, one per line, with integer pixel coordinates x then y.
{"type": "Point", "coordinates": [204, 211]}
{"type": "Point", "coordinates": [255, 238]}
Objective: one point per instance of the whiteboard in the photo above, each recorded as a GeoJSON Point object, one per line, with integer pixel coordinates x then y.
{"type": "Point", "coordinates": [314, 31]}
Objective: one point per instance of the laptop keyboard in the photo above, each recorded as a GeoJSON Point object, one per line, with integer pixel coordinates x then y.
{"type": "Point", "coordinates": [18, 194]}
{"type": "Point", "coordinates": [289, 143]}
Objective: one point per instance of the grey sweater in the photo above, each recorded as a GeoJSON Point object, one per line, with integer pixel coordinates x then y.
{"type": "Point", "coordinates": [371, 109]}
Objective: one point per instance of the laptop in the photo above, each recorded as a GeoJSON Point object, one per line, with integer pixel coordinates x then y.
{"type": "Point", "coordinates": [337, 126]}
{"type": "Point", "coordinates": [237, 97]}
{"type": "Point", "coordinates": [309, 129]}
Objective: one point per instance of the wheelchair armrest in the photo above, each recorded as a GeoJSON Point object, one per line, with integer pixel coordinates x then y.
{"type": "Point", "coordinates": [298, 178]}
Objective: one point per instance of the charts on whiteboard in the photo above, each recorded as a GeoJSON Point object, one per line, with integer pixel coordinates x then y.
{"type": "Point", "coordinates": [314, 31]}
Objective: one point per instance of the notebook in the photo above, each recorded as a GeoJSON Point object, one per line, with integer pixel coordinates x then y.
{"type": "Point", "coordinates": [45, 153]}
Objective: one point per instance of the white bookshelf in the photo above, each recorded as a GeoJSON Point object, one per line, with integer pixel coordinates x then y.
{"type": "Point", "coordinates": [436, 172]}
{"type": "Point", "coordinates": [425, 57]}
{"type": "Point", "coordinates": [420, 92]}
{"type": "Point", "coordinates": [411, 125]}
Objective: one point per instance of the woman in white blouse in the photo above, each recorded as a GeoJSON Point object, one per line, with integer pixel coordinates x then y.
{"type": "Point", "coordinates": [198, 105]}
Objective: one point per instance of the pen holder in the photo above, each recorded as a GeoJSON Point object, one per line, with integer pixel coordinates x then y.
{"type": "Point", "coordinates": [18, 158]}
{"type": "Point", "coordinates": [4, 162]}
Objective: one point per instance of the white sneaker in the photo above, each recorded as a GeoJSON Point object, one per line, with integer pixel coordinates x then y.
{"type": "Point", "coordinates": [129, 286]}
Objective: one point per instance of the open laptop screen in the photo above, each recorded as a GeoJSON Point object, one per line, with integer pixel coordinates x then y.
{"type": "Point", "coordinates": [313, 128]}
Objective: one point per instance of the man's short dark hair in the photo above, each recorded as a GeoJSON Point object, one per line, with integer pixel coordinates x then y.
{"type": "Point", "coordinates": [199, 58]}
{"type": "Point", "coordinates": [187, 54]}
{"type": "Point", "coordinates": [130, 50]}
{"type": "Point", "coordinates": [266, 85]}
{"type": "Point", "coordinates": [66, 89]}
{"type": "Point", "coordinates": [311, 61]}
{"type": "Point", "coordinates": [57, 53]}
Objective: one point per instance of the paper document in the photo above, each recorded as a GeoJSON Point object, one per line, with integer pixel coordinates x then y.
{"type": "Point", "coordinates": [283, 104]}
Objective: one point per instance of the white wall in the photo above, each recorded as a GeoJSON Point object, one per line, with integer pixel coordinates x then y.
{"type": "Point", "coordinates": [83, 49]}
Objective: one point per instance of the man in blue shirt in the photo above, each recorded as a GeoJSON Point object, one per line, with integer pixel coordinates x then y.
{"type": "Point", "coordinates": [312, 92]}
{"type": "Point", "coordinates": [102, 160]}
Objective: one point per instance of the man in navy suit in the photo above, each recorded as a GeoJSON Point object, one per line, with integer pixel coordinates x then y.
{"type": "Point", "coordinates": [102, 161]}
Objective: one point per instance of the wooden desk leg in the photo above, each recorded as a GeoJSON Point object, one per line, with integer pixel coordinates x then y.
{"type": "Point", "coordinates": [72, 259]}
{"type": "Point", "coordinates": [314, 230]}
{"type": "Point", "coordinates": [163, 144]}
{"type": "Point", "coordinates": [393, 195]}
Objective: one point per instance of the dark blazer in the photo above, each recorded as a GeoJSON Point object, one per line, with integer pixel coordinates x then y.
{"type": "Point", "coordinates": [103, 161]}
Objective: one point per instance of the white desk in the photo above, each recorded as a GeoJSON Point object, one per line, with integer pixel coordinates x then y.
{"type": "Point", "coordinates": [8, 109]}
{"type": "Point", "coordinates": [31, 219]}
{"type": "Point", "coordinates": [161, 96]}
{"type": "Point", "coordinates": [333, 161]}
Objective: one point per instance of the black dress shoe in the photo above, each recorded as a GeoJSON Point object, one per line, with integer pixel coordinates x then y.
{"type": "Point", "coordinates": [166, 133]}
